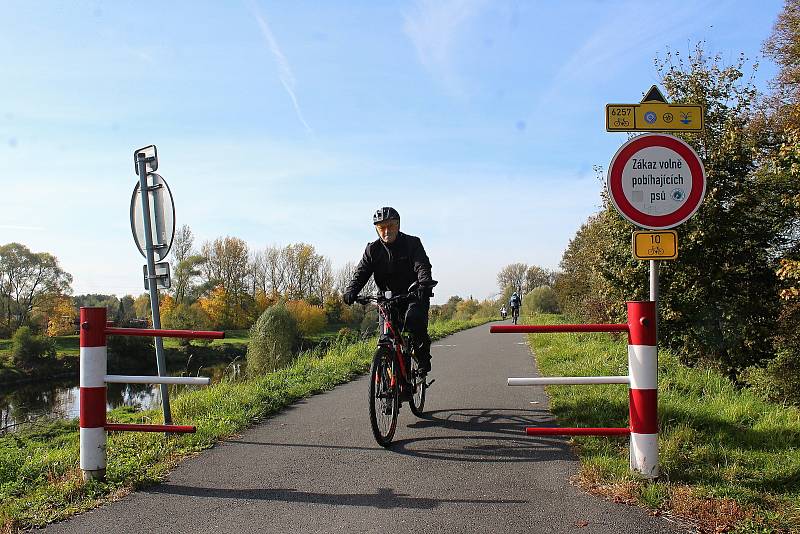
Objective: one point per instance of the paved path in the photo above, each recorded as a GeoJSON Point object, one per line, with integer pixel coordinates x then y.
{"type": "Point", "coordinates": [466, 467]}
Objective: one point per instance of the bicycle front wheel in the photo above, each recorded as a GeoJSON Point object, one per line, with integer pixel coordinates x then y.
{"type": "Point", "coordinates": [384, 402]}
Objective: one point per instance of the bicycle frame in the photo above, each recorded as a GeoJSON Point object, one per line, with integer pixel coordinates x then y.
{"type": "Point", "coordinates": [398, 342]}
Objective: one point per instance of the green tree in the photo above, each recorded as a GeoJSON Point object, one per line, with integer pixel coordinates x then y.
{"type": "Point", "coordinates": [537, 276]}
{"type": "Point", "coordinates": [581, 289]}
{"type": "Point", "coordinates": [718, 299]}
{"type": "Point", "coordinates": [27, 280]}
{"type": "Point", "coordinates": [541, 299]}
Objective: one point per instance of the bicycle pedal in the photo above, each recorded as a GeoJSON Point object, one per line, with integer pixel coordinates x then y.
{"type": "Point", "coordinates": [429, 383]}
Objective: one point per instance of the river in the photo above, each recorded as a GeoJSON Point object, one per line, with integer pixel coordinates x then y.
{"type": "Point", "coordinates": [24, 403]}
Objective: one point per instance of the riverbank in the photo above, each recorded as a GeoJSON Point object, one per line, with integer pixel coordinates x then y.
{"type": "Point", "coordinates": [730, 462]}
{"type": "Point", "coordinates": [40, 480]}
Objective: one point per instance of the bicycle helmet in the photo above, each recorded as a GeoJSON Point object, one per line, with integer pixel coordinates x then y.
{"type": "Point", "coordinates": [385, 214]}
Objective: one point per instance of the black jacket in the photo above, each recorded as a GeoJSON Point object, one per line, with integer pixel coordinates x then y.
{"type": "Point", "coordinates": [395, 266]}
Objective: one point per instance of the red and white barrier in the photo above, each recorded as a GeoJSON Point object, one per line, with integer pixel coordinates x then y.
{"type": "Point", "coordinates": [642, 378]}
{"type": "Point", "coordinates": [93, 362]}
{"type": "Point", "coordinates": [93, 380]}
{"type": "Point", "coordinates": [643, 370]}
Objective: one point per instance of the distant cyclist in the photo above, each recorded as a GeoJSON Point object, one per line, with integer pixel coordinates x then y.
{"type": "Point", "coordinates": [397, 260]}
{"type": "Point", "coordinates": [514, 303]}
{"type": "Point", "coordinates": [503, 312]}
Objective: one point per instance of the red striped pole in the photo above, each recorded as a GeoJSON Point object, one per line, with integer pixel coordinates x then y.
{"type": "Point", "coordinates": [93, 366]}
{"type": "Point", "coordinates": [643, 372]}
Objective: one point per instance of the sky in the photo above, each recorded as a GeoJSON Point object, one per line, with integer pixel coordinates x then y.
{"type": "Point", "coordinates": [285, 122]}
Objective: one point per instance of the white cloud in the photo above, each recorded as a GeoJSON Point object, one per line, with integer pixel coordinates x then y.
{"type": "Point", "coordinates": [434, 27]}
{"type": "Point", "coordinates": [284, 69]}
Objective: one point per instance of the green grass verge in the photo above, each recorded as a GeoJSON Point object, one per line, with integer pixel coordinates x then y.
{"type": "Point", "coordinates": [729, 460]}
{"type": "Point", "coordinates": [40, 481]}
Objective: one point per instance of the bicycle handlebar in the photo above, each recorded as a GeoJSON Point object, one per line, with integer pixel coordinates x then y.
{"type": "Point", "coordinates": [365, 299]}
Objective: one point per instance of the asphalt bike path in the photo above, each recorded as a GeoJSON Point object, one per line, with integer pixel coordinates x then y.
{"type": "Point", "coordinates": [315, 467]}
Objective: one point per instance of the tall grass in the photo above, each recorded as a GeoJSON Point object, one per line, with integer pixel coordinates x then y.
{"type": "Point", "coordinates": [728, 459]}
{"type": "Point", "coordinates": [40, 480]}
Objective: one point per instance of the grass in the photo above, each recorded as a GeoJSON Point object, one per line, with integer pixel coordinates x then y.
{"type": "Point", "coordinates": [40, 480]}
{"type": "Point", "coordinates": [729, 461]}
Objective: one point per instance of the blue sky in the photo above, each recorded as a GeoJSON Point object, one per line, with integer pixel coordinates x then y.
{"type": "Point", "coordinates": [280, 122]}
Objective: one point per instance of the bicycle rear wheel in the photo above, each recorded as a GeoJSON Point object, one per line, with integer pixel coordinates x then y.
{"type": "Point", "coordinates": [516, 316]}
{"type": "Point", "coordinates": [418, 389]}
{"type": "Point", "coordinates": [383, 398]}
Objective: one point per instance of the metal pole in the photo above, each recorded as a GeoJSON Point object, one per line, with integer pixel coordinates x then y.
{"type": "Point", "coordinates": [654, 287]}
{"type": "Point", "coordinates": [151, 277]}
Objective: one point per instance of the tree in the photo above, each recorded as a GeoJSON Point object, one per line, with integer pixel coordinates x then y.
{"type": "Point", "coordinates": [142, 308]}
{"type": "Point", "coordinates": [269, 271]}
{"type": "Point", "coordinates": [583, 292]}
{"type": "Point", "coordinates": [126, 311]}
{"type": "Point", "coordinates": [309, 319]}
{"type": "Point", "coordinates": [62, 317]}
{"type": "Point", "coordinates": [215, 306]}
{"type": "Point", "coordinates": [512, 277]}
{"type": "Point", "coordinates": [28, 280]}
{"type": "Point", "coordinates": [537, 276]}
{"type": "Point", "coordinates": [227, 267]}
{"type": "Point", "coordinates": [540, 299]}
{"type": "Point", "coordinates": [345, 274]}
{"type": "Point", "coordinates": [783, 46]}
{"type": "Point", "coordinates": [718, 299]}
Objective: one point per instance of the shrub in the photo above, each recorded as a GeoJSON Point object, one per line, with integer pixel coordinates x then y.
{"type": "Point", "coordinates": [542, 299]}
{"type": "Point", "coordinates": [347, 335]}
{"type": "Point", "coordinates": [272, 340]}
{"type": "Point", "coordinates": [28, 349]}
{"type": "Point", "coordinates": [465, 309]}
{"type": "Point", "coordinates": [186, 317]}
{"type": "Point", "coordinates": [310, 319]}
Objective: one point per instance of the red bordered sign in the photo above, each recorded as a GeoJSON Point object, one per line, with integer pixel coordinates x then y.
{"type": "Point", "coordinates": [656, 181]}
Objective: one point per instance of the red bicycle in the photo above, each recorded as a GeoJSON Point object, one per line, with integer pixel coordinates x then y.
{"type": "Point", "coordinates": [395, 375]}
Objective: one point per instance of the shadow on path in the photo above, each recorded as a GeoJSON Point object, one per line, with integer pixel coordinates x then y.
{"type": "Point", "coordinates": [384, 498]}
{"type": "Point", "coordinates": [483, 435]}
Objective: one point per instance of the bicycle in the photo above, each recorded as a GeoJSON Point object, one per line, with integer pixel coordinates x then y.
{"type": "Point", "coordinates": [395, 375]}
{"type": "Point", "coordinates": [515, 314]}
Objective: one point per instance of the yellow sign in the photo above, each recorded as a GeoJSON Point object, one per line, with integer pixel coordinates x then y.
{"type": "Point", "coordinates": [661, 245]}
{"type": "Point", "coordinates": [653, 113]}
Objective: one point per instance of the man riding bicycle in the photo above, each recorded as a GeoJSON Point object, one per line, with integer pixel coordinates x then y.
{"type": "Point", "coordinates": [514, 302]}
{"type": "Point", "coordinates": [397, 260]}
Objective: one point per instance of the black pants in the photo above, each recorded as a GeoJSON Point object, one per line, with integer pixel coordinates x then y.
{"type": "Point", "coordinates": [417, 323]}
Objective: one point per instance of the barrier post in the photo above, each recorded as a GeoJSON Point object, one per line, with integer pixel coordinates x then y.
{"type": "Point", "coordinates": [93, 365]}
{"type": "Point", "coordinates": [643, 372]}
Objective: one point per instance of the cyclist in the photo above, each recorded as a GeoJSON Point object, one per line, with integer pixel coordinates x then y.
{"type": "Point", "coordinates": [514, 303]}
{"type": "Point", "coordinates": [503, 312]}
{"type": "Point", "coordinates": [397, 260]}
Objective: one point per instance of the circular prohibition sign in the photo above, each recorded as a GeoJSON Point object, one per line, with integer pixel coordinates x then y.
{"type": "Point", "coordinates": [648, 180]}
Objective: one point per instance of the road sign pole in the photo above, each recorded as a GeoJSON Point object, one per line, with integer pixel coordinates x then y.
{"type": "Point", "coordinates": [151, 274]}
{"type": "Point", "coordinates": [654, 288]}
